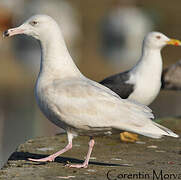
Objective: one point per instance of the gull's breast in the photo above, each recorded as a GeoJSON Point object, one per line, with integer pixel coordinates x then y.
{"type": "Point", "coordinates": [146, 91]}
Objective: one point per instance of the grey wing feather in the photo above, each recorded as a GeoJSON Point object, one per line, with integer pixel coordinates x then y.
{"type": "Point", "coordinates": [86, 105]}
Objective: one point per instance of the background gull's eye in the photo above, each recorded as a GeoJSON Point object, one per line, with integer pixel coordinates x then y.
{"type": "Point", "coordinates": [158, 37]}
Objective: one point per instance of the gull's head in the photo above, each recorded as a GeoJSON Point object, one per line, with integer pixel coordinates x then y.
{"type": "Point", "coordinates": [157, 40]}
{"type": "Point", "coordinates": [38, 26]}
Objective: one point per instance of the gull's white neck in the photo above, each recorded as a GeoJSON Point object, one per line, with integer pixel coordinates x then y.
{"type": "Point", "coordinates": [150, 64]}
{"type": "Point", "coordinates": [146, 76]}
{"type": "Point", "coordinates": [56, 61]}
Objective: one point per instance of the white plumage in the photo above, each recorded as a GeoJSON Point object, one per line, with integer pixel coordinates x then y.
{"type": "Point", "coordinates": [142, 83]}
{"type": "Point", "coordinates": [76, 103]}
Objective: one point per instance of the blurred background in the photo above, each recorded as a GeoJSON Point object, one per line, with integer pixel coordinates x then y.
{"type": "Point", "coordinates": [104, 37]}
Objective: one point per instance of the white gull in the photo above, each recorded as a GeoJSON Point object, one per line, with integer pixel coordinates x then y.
{"type": "Point", "coordinates": [142, 82]}
{"type": "Point", "coordinates": [75, 103]}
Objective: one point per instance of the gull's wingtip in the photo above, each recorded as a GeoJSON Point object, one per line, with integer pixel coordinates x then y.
{"type": "Point", "coordinates": [174, 135]}
{"type": "Point", "coordinates": [167, 132]}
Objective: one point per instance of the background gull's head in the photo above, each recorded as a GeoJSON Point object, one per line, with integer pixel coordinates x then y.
{"type": "Point", "coordinates": [157, 40]}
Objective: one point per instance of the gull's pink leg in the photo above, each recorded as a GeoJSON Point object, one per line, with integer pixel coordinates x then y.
{"type": "Point", "coordinates": [86, 162]}
{"type": "Point", "coordinates": [53, 156]}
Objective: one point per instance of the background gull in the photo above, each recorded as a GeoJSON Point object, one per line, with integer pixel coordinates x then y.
{"type": "Point", "coordinates": [171, 77]}
{"type": "Point", "coordinates": [75, 103]}
{"type": "Point", "coordinates": [142, 82]}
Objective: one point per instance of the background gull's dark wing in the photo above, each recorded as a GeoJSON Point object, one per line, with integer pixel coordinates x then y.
{"type": "Point", "coordinates": [118, 84]}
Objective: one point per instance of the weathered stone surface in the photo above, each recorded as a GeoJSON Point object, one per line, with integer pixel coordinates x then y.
{"type": "Point", "coordinates": [109, 154]}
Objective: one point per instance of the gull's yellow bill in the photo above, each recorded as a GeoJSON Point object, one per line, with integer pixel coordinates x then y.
{"type": "Point", "coordinates": [174, 42]}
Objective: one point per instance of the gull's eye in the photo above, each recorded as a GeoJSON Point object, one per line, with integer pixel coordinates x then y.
{"type": "Point", "coordinates": [33, 23]}
{"type": "Point", "coordinates": [158, 37]}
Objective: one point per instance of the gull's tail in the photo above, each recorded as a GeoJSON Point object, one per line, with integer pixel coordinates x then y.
{"type": "Point", "coordinates": [138, 120]}
{"type": "Point", "coordinates": [152, 130]}
{"type": "Point", "coordinates": [167, 131]}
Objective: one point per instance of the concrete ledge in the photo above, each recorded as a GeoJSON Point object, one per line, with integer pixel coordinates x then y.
{"type": "Point", "coordinates": [120, 159]}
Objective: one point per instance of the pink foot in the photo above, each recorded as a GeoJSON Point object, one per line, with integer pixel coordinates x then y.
{"type": "Point", "coordinates": [86, 162]}
{"type": "Point", "coordinates": [53, 156]}
{"type": "Point", "coordinates": [49, 159]}
{"type": "Point", "coordinates": [77, 165]}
